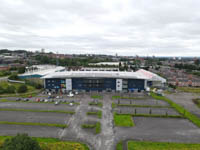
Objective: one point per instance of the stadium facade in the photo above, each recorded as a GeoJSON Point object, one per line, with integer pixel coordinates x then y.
{"type": "Point", "coordinates": [109, 81]}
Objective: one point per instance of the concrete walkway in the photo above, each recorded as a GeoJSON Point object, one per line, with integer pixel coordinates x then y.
{"type": "Point", "coordinates": [102, 141]}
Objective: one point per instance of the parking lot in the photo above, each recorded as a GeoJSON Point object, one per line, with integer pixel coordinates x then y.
{"type": "Point", "coordinates": [146, 128]}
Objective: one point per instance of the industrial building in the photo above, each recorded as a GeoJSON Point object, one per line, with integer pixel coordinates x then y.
{"type": "Point", "coordinates": [99, 81]}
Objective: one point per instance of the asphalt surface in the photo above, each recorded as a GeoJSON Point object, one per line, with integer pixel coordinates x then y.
{"type": "Point", "coordinates": [35, 131]}
{"type": "Point", "coordinates": [37, 106]}
{"type": "Point", "coordinates": [40, 117]}
{"type": "Point", "coordinates": [142, 110]}
{"type": "Point", "coordinates": [185, 99]}
{"type": "Point", "coordinates": [151, 102]}
{"type": "Point", "coordinates": [149, 129]}
{"type": "Point", "coordinates": [160, 129]}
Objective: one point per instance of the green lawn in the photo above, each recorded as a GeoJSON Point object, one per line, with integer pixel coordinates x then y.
{"type": "Point", "coordinates": [99, 104]}
{"type": "Point", "coordinates": [180, 109]}
{"type": "Point", "coordinates": [54, 144]}
{"type": "Point", "coordinates": [98, 113]}
{"type": "Point", "coordinates": [97, 127]}
{"type": "Point", "coordinates": [189, 89]}
{"type": "Point", "coordinates": [119, 146]}
{"type": "Point", "coordinates": [31, 90]}
{"type": "Point", "coordinates": [123, 120]}
{"type": "Point", "coordinates": [34, 124]}
{"type": "Point", "coordinates": [137, 145]}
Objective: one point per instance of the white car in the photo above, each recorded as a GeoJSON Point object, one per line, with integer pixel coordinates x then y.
{"type": "Point", "coordinates": [70, 94]}
{"type": "Point", "coordinates": [46, 100]}
{"type": "Point", "coordinates": [57, 102]}
{"type": "Point", "coordinates": [57, 97]}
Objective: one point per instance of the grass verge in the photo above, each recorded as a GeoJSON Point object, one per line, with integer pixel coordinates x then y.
{"type": "Point", "coordinates": [34, 124]}
{"type": "Point", "coordinates": [119, 146]}
{"type": "Point", "coordinates": [97, 127]}
{"type": "Point", "coordinates": [189, 89]}
{"type": "Point", "coordinates": [149, 106]}
{"type": "Point", "coordinates": [35, 110]}
{"type": "Point", "coordinates": [54, 144]}
{"type": "Point", "coordinates": [120, 97]}
{"type": "Point", "coordinates": [98, 113]}
{"type": "Point", "coordinates": [99, 104]}
{"type": "Point", "coordinates": [194, 119]}
{"type": "Point", "coordinates": [123, 120]}
{"type": "Point", "coordinates": [142, 145]}
{"type": "Point", "coordinates": [154, 115]}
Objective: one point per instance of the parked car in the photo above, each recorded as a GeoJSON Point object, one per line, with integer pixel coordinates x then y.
{"type": "Point", "coordinates": [46, 100]}
{"type": "Point", "coordinates": [26, 99]}
{"type": "Point", "coordinates": [57, 102]}
{"type": "Point", "coordinates": [18, 99]}
{"type": "Point", "coordinates": [37, 100]}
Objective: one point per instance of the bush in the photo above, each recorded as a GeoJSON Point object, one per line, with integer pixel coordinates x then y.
{"type": "Point", "coordinates": [34, 84]}
{"type": "Point", "coordinates": [13, 76]}
{"type": "Point", "coordinates": [22, 88]}
{"type": "Point", "coordinates": [1, 90]}
{"type": "Point", "coordinates": [21, 142]}
{"type": "Point", "coordinates": [10, 89]}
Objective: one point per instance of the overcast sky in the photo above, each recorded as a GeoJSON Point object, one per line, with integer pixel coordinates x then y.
{"type": "Point", "coordinates": [126, 27]}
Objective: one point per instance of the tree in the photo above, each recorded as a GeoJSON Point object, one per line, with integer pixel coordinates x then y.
{"type": "Point", "coordinates": [13, 76]}
{"type": "Point", "coordinates": [22, 88]}
{"type": "Point", "coordinates": [20, 142]}
{"type": "Point", "coordinates": [21, 70]}
{"type": "Point", "coordinates": [10, 89]}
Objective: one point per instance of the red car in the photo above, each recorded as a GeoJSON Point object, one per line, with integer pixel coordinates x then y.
{"type": "Point", "coordinates": [37, 100]}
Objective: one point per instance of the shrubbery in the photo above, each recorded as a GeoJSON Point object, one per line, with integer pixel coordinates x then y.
{"type": "Point", "coordinates": [22, 88]}
{"type": "Point", "coordinates": [34, 84]}
{"type": "Point", "coordinates": [13, 76]}
{"type": "Point", "coordinates": [21, 142]}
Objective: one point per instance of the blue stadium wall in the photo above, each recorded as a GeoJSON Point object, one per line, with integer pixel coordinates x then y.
{"type": "Point", "coordinates": [94, 84]}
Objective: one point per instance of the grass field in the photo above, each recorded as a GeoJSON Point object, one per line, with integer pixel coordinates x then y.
{"type": "Point", "coordinates": [189, 89]}
{"type": "Point", "coordinates": [194, 119]}
{"type": "Point", "coordinates": [31, 90]}
{"type": "Point", "coordinates": [99, 104]}
{"type": "Point", "coordinates": [54, 144]}
{"type": "Point", "coordinates": [123, 120]}
{"type": "Point", "coordinates": [98, 114]}
{"type": "Point", "coordinates": [137, 145]}
{"type": "Point", "coordinates": [119, 146]}
{"type": "Point", "coordinates": [34, 124]}
{"type": "Point", "coordinates": [97, 127]}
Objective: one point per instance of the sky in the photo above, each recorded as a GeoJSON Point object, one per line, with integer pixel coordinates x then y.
{"type": "Point", "coordinates": [125, 27]}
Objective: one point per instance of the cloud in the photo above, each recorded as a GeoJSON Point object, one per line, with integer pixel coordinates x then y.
{"type": "Point", "coordinates": [126, 27]}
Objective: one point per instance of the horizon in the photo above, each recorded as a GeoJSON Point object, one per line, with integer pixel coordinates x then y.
{"type": "Point", "coordinates": [159, 28]}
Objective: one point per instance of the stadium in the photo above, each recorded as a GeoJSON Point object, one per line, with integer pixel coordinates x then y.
{"type": "Point", "coordinates": [101, 81]}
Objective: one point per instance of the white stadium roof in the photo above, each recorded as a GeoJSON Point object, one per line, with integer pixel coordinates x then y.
{"type": "Point", "coordinates": [151, 76]}
{"type": "Point", "coordinates": [95, 74]}
{"type": "Point", "coordinates": [141, 74]}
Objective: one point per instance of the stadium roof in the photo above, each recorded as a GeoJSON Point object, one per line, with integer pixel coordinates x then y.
{"type": "Point", "coordinates": [151, 76]}
{"type": "Point", "coordinates": [97, 74]}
